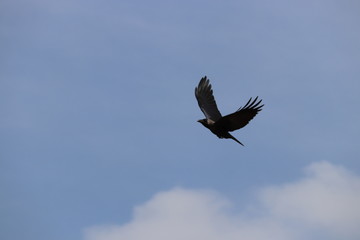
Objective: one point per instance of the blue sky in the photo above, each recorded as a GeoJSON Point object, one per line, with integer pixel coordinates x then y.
{"type": "Point", "coordinates": [99, 138]}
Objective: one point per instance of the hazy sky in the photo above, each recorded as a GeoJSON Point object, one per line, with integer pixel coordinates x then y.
{"type": "Point", "coordinates": [99, 139]}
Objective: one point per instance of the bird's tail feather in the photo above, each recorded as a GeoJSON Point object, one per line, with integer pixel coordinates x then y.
{"type": "Point", "coordinates": [233, 138]}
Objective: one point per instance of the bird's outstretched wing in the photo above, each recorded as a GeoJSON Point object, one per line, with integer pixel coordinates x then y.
{"type": "Point", "coordinates": [241, 117]}
{"type": "Point", "coordinates": [206, 100]}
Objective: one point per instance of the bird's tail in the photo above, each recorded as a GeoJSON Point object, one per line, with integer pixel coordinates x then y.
{"type": "Point", "coordinates": [233, 138]}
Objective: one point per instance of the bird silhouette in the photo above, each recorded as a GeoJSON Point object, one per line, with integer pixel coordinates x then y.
{"type": "Point", "coordinates": [222, 125]}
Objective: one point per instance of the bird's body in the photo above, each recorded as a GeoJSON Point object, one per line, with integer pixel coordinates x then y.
{"type": "Point", "coordinates": [217, 129]}
{"type": "Point", "coordinates": [214, 121]}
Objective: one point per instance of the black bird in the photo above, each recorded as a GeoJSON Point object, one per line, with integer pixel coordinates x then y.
{"type": "Point", "coordinates": [219, 125]}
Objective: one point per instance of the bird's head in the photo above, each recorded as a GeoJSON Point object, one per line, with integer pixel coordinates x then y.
{"type": "Point", "coordinates": [204, 122]}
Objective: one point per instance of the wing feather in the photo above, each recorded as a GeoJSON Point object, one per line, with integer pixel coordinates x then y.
{"type": "Point", "coordinates": [206, 100]}
{"type": "Point", "coordinates": [241, 117]}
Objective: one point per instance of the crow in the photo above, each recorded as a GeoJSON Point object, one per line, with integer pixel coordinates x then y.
{"type": "Point", "coordinates": [219, 125]}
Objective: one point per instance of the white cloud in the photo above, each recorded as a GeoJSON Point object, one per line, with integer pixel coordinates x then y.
{"type": "Point", "coordinates": [322, 205]}
{"type": "Point", "coordinates": [327, 199]}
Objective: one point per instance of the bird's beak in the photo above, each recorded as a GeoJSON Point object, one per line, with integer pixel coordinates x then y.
{"type": "Point", "coordinates": [198, 120]}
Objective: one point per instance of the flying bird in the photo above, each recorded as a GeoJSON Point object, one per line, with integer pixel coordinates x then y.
{"type": "Point", "coordinates": [219, 125]}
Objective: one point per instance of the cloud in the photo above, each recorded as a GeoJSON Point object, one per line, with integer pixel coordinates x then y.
{"type": "Point", "coordinates": [327, 199]}
{"type": "Point", "coordinates": [324, 204]}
